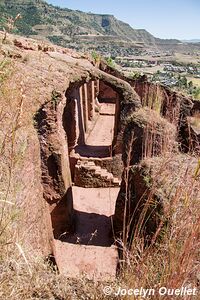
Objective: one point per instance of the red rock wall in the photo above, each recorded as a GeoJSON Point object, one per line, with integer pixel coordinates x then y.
{"type": "Point", "coordinates": [79, 111]}
{"type": "Point", "coordinates": [106, 93]}
{"type": "Point", "coordinates": [34, 229]}
{"type": "Point", "coordinates": [56, 177]}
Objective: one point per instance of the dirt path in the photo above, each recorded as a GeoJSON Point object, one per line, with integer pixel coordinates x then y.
{"type": "Point", "coordinates": [92, 262]}
{"type": "Point", "coordinates": [102, 133]}
{"type": "Point", "coordinates": [94, 209]}
{"type": "Point", "coordinates": [99, 141]}
{"type": "Point", "coordinates": [90, 249]}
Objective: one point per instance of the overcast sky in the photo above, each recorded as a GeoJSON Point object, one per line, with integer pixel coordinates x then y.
{"type": "Point", "coordinates": [163, 18]}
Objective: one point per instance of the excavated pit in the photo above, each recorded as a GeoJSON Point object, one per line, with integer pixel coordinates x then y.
{"type": "Point", "coordinates": [91, 111]}
{"type": "Point", "coordinates": [81, 176]}
{"type": "Point", "coordinates": [81, 141]}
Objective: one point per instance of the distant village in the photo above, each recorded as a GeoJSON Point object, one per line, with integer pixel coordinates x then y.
{"type": "Point", "coordinates": [160, 67]}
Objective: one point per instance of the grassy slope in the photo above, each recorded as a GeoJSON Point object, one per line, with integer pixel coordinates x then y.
{"type": "Point", "coordinates": [56, 21]}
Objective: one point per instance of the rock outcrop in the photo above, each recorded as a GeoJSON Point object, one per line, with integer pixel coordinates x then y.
{"type": "Point", "coordinates": [58, 89]}
{"type": "Point", "coordinates": [147, 134]}
{"type": "Point", "coordinates": [154, 185]}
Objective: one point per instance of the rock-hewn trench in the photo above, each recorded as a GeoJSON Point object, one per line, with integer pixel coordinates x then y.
{"type": "Point", "coordinates": [84, 136]}
{"type": "Point", "coordinates": [90, 119]}
{"type": "Point", "coordinates": [80, 136]}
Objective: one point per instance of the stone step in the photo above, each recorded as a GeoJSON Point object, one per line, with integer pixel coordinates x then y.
{"type": "Point", "coordinates": [92, 168]}
{"type": "Point", "coordinates": [104, 173]}
{"type": "Point", "coordinates": [93, 262]}
{"type": "Point", "coordinates": [107, 109]}
{"type": "Point", "coordinates": [99, 172]}
{"type": "Point", "coordinates": [98, 168]}
{"type": "Point", "coordinates": [90, 163]}
{"type": "Point", "coordinates": [110, 176]}
{"type": "Point", "coordinates": [104, 176]}
{"type": "Point", "coordinates": [116, 181]}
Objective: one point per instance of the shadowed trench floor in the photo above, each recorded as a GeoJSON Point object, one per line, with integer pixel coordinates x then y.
{"type": "Point", "coordinates": [90, 249]}
{"type": "Point", "coordinates": [99, 141]}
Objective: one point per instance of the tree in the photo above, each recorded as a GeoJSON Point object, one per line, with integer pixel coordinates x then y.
{"type": "Point", "coordinates": [182, 82]}
{"type": "Point", "coordinates": [190, 84]}
{"type": "Point", "coordinates": [196, 93]}
{"type": "Point", "coordinates": [72, 31]}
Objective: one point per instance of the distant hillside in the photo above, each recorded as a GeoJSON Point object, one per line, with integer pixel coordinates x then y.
{"type": "Point", "coordinates": [75, 28]}
{"type": "Point", "coordinates": [191, 41]}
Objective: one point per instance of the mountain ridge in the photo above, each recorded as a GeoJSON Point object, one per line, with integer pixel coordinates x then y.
{"type": "Point", "coordinates": [191, 41]}
{"type": "Point", "coordinates": [74, 28]}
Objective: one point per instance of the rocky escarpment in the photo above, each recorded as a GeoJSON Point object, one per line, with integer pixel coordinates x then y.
{"type": "Point", "coordinates": [171, 105]}
{"type": "Point", "coordinates": [148, 134]}
{"type": "Point", "coordinates": [158, 136]}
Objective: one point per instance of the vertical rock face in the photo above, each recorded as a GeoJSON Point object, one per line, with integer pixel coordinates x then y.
{"type": "Point", "coordinates": [171, 105]}
{"type": "Point", "coordinates": [35, 229]}
{"type": "Point", "coordinates": [106, 93]}
{"type": "Point", "coordinates": [56, 178]}
{"type": "Point", "coordinates": [147, 135]}
{"type": "Point", "coordinates": [153, 185]}
{"type": "Point", "coordinates": [70, 117]}
{"type": "Point", "coordinates": [91, 90]}
{"type": "Point", "coordinates": [193, 129]}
